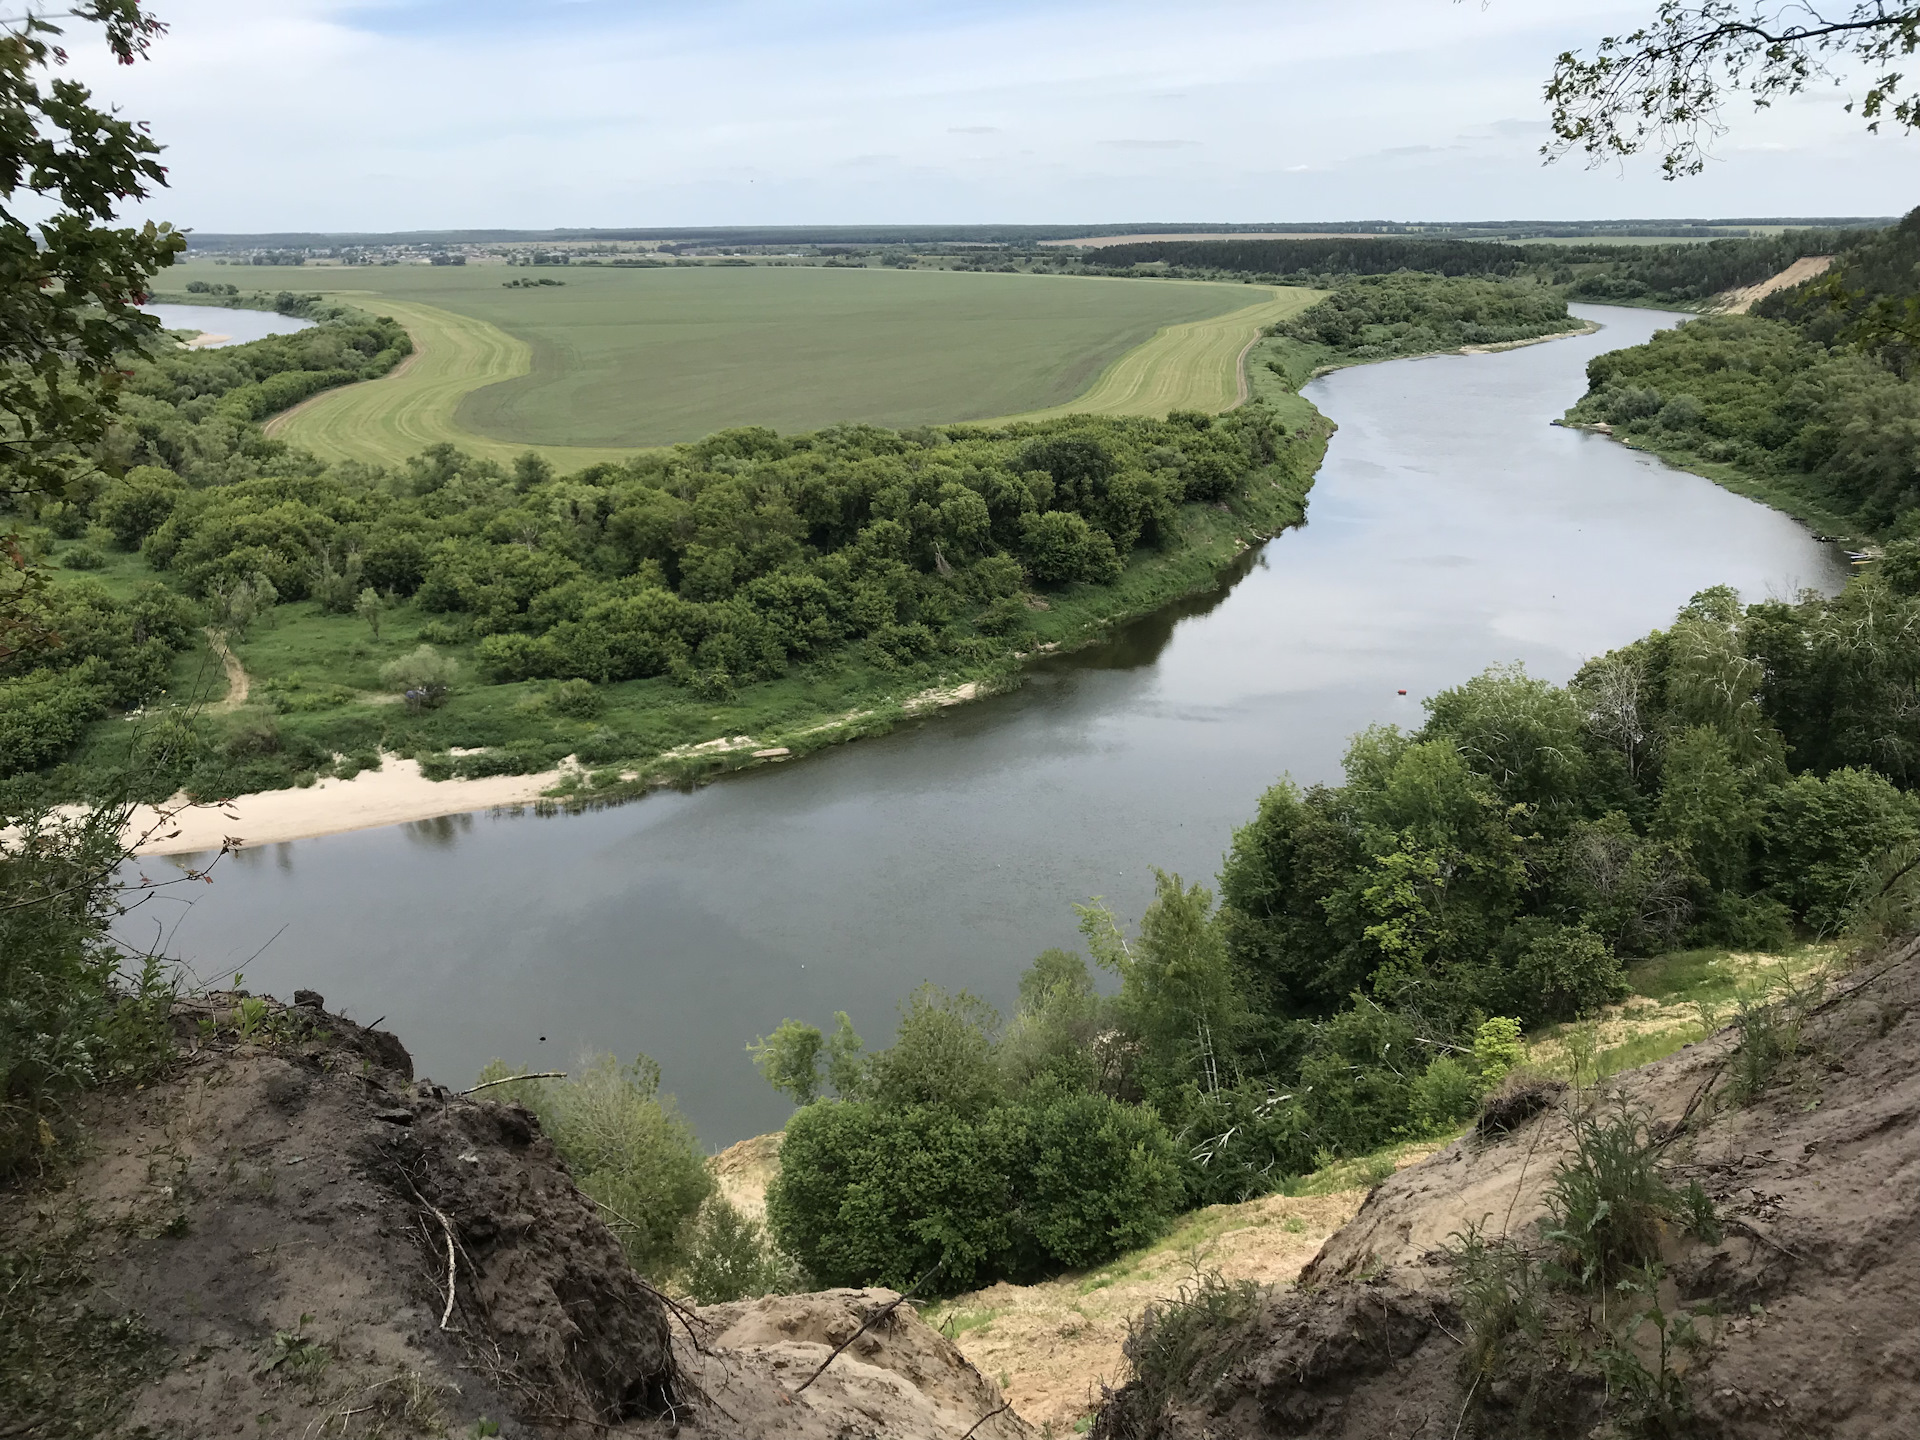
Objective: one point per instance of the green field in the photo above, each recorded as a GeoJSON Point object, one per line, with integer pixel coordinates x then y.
{"type": "Point", "coordinates": [621, 359]}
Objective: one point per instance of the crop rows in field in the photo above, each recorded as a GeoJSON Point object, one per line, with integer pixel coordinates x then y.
{"type": "Point", "coordinates": [614, 361]}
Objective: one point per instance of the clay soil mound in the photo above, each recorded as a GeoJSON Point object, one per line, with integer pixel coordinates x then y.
{"type": "Point", "coordinates": [1805, 1323]}
{"type": "Point", "coordinates": [289, 1235]}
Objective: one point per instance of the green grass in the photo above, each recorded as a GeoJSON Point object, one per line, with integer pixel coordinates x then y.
{"type": "Point", "coordinates": [1694, 991]}
{"type": "Point", "coordinates": [620, 359]}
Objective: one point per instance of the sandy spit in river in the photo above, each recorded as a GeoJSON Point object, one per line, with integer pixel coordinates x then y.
{"type": "Point", "coordinates": [395, 793]}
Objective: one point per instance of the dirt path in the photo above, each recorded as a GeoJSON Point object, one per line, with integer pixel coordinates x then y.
{"type": "Point", "coordinates": [237, 682]}
{"type": "Point", "coordinates": [1739, 302]}
{"type": "Point", "coordinates": [1240, 370]}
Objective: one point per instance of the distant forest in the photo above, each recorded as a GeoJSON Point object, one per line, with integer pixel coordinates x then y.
{"type": "Point", "coordinates": [1678, 274]}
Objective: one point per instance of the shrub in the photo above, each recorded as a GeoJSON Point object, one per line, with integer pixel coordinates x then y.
{"type": "Point", "coordinates": [424, 673]}
{"type": "Point", "coordinates": [577, 700]}
{"type": "Point", "coordinates": [1060, 547]}
{"type": "Point", "coordinates": [1566, 971]}
{"type": "Point", "coordinates": [44, 713]}
{"type": "Point", "coordinates": [70, 1018]}
{"type": "Point", "coordinates": [1607, 1202]}
{"type": "Point", "coordinates": [1499, 1288]}
{"type": "Point", "coordinates": [138, 503]}
{"type": "Point", "coordinates": [729, 1257]}
{"type": "Point", "coordinates": [629, 1149]}
{"type": "Point", "coordinates": [1446, 1093]}
{"type": "Point", "coordinates": [869, 1194]}
{"type": "Point", "coordinates": [1094, 1177]}
{"type": "Point", "coordinates": [83, 557]}
{"type": "Point", "coordinates": [1497, 1048]}
{"type": "Point", "coordinates": [1179, 1349]}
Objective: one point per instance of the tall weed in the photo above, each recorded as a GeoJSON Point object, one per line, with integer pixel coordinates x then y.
{"type": "Point", "coordinates": [1608, 1204]}
{"type": "Point", "coordinates": [1179, 1348]}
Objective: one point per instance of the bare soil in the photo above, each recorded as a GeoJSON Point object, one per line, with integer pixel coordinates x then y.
{"type": "Point", "coordinates": [1739, 302]}
{"type": "Point", "coordinates": [289, 1235]}
{"type": "Point", "coordinates": [1817, 1186]}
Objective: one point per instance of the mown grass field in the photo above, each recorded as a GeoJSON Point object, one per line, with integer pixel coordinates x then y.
{"type": "Point", "coordinates": [383, 421]}
{"type": "Point", "coordinates": [620, 359]}
{"type": "Point", "coordinates": [1194, 366]}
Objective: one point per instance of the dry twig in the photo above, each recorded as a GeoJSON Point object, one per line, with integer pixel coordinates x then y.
{"type": "Point", "coordinates": [984, 1418]}
{"type": "Point", "coordinates": [872, 1320]}
{"type": "Point", "coordinates": [509, 1079]}
{"type": "Point", "coordinates": [446, 1316]}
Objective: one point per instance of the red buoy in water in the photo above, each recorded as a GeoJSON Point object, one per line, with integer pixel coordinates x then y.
{"type": "Point", "coordinates": [1403, 692]}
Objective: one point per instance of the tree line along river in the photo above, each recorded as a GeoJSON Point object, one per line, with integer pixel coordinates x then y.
{"type": "Point", "coordinates": [1451, 528]}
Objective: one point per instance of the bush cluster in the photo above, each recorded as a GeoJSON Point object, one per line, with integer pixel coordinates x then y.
{"type": "Point", "coordinates": [1411, 314]}
{"type": "Point", "coordinates": [715, 565]}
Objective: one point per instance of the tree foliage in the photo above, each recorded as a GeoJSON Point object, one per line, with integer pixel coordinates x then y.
{"type": "Point", "coordinates": [1413, 314]}
{"type": "Point", "coordinates": [70, 285]}
{"type": "Point", "coordinates": [1814, 394]}
{"type": "Point", "coordinates": [1664, 85]}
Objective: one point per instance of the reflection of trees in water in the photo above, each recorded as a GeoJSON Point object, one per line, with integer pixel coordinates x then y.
{"type": "Point", "coordinates": [1139, 642]}
{"type": "Point", "coordinates": [440, 832]}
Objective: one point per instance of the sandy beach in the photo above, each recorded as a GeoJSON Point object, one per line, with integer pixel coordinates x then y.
{"type": "Point", "coordinates": [391, 795]}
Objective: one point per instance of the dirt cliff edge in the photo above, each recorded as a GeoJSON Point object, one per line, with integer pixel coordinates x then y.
{"type": "Point", "coordinates": [1803, 1300]}
{"type": "Point", "coordinates": [290, 1235]}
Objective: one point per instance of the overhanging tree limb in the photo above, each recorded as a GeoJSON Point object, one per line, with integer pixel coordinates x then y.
{"type": "Point", "coordinates": [1663, 86]}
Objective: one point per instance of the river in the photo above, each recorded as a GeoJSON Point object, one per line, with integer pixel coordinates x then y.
{"type": "Point", "coordinates": [1451, 528]}
{"type": "Point", "coordinates": [238, 326]}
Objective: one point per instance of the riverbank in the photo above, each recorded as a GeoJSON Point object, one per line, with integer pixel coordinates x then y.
{"type": "Point", "coordinates": [408, 788]}
{"type": "Point", "coordinates": [1802, 501]}
{"type": "Point", "coordinates": [1590, 328]}
{"type": "Point", "coordinates": [400, 792]}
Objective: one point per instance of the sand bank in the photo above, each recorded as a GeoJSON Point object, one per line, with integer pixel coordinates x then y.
{"type": "Point", "coordinates": [391, 795]}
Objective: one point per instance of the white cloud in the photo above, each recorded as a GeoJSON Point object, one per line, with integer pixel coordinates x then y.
{"type": "Point", "coordinates": [320, 114]}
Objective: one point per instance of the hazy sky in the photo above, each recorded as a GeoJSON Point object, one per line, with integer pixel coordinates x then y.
{"type": "Point", "coordinates": [411, 114]}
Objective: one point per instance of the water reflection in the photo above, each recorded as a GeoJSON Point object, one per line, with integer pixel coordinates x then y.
{"type": "Point", "coordinates": [1139, 642]}
{"type": "Point", "coordinates": [440, 833]}
{"type": "Point", "coordinates": [1452, 529]}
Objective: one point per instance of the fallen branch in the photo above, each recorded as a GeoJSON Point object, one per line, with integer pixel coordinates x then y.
{"type": "Point", "coordinates": [984, 1418]}
{"type": "Point", "coordinates": [509, 1079]}
{"type": "Point", "coordinates": [446, 1315]}
{"type": "Point", "coordinates": [1906, 954]}
{"type": "Point", "coordinates": [1757, 1233]}
{"type": "Point", "coordinates": [871, 1321]}
{"type": "Point", "coordinates": [1686, 1116]}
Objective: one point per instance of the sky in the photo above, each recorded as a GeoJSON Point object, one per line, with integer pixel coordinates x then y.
{"type": "Point", "coordinates": [325, 115]}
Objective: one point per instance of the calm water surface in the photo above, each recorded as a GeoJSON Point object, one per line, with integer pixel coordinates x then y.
{"type": "Point", "coordinates": [239, 326]}
{"type": "Point", "coordinates": [1452, 528]}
